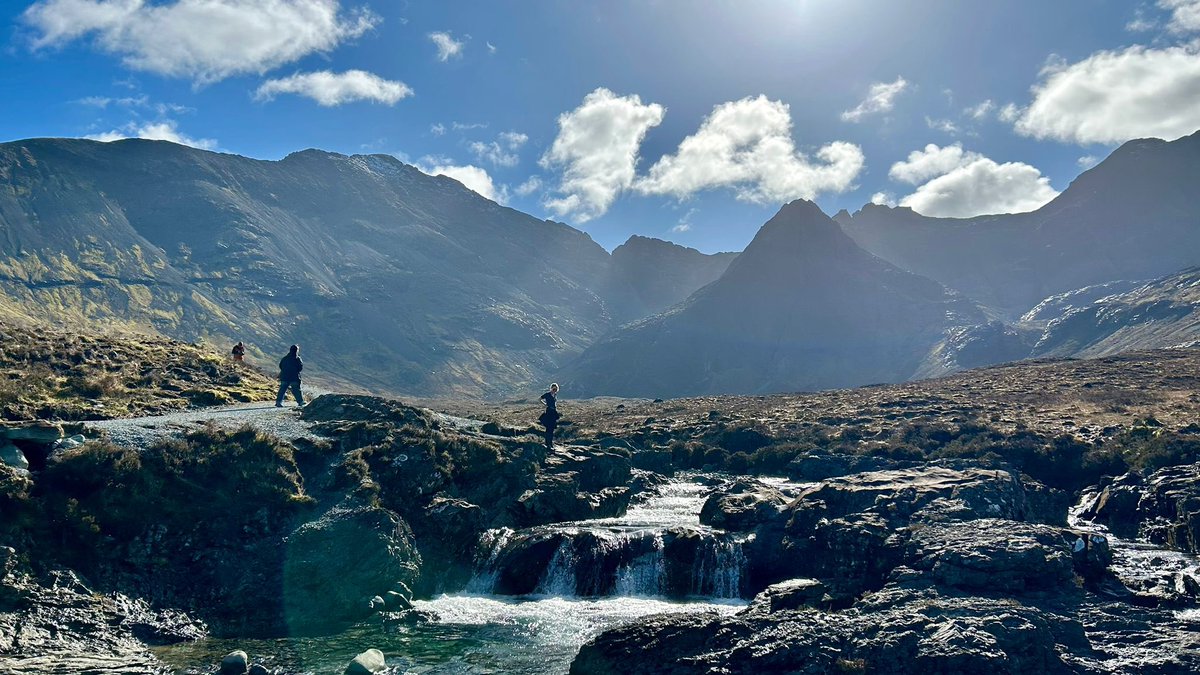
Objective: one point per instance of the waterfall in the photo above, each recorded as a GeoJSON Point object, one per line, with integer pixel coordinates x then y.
{"type": "Point", "coordinates": [559, 577]}
{"type": "Point", "coordinates": [717, 569]}
{"type": "Point", "coordinates": [492, 544]}
{"type": "Point", "coordinates": [645, 575]}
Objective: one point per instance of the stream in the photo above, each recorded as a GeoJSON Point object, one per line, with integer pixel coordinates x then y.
{"type": "Point", "coordinates": [594, 575]}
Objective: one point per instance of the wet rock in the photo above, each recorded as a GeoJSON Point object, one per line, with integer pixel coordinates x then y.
{"type": "Point", "coordinates": [57, 624]}
{"type": "Point", "coordinates": [367, 663]}
{"type": "Point", "coordinates": [561, 501]}
{"type": "Point", "coordinates": [820, 465]}
{"type": "Point", "coordinates": [990, 557]}
{"type": "Point", "coordinates": [742, 506]}
{"type": "Point", "coordinates": [335, 565]}
{"type": "Point", "coordinates": [395, 602]}
{"type": "Point", "coordinates": [789, 595]}
{"type": "Point", "coordinates": [259, 669]}
{"type": "Point", "coordinates": [12, 456]}
{"type": "Point", "coordinates": [658, 461]}
{"type": "Point", "coordinates": [37, 432]}
{"type": "Point", "coordinates": [593, 470]}
{"type": "Point", "coordinates": [235, 663]}
{"type": "Point", "coordinates": [1116, 505]}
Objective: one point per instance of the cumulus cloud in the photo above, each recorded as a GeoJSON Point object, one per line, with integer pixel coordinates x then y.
{"type": "Point", "coordinates": [931, 162]}
{"type": "Point", "coordinates": [473, 177]}
{"type": "Point", "coordinates": [980, 111]}
{"type": "Point", "coordinates": [1114, 96]}
{"type": "Point", "coordinates": [597, 150]}
{"type": "Point", "coordinates": [503, 150]}
{"type": "Point", "coordinates": [329, 88]}
{"type": "Point", "coordinates": [1185, 15]}
{"type": "Point", "coordinates": [747, 145]}
{"type": "Point", "coordinates": [960, 184]}
{"type": "Point", "coordinates": [447, 47]}
{"type": "Point", "coordinates": [206, 40]}
{"type": "Point", "coordinates": [883, 199]}
{"type": "Point", "coordinates": [942, 125]}
{"type": "Point", "coordinates": [1087, 161]}
{"type": "Point", "coordinates": [880, 99]}
{"type": "Point", "coordinates": [530, 186]}
{"type": "Point", "coordinates": [1009, 112]}
{"type": "Point", "coordinates": [165, 130]}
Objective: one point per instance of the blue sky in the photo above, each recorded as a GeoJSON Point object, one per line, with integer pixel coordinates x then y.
{"type": "Point", "coordinates": [689, 121]}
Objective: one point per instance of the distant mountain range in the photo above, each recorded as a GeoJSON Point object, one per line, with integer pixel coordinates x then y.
{"type": "Point", "coordinates": [401, 282]}
{"type": "Point", "coordinates": [389, 278]}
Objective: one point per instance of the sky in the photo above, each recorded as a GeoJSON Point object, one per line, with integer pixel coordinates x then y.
{"type": "Point", "coordinates": [686, 120]}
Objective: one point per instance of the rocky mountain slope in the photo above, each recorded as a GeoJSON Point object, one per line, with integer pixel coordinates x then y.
{"type": "Point", "coordinates": [650, 275]}
{"type": "Point", "coordinates": [1136, 215]}
{"type": "Point", "coordinates": [389, 278]}
{"type": "Point", "coordinates": [802, 308]}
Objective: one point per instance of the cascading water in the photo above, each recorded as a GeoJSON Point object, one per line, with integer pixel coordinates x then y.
{"type": "Point", "coordinates": [657, 549]}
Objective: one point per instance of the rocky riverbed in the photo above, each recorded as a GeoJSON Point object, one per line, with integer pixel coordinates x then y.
{"type": "Point", "coordinates": [732, 539]}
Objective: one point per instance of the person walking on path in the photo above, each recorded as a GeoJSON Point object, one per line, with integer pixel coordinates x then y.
{"type": "Point", "coordinates": [289, 376]}
{"type": "Point", "coordinates": [239, 352]}
{"type": "Point", "coordinates": [549, 419]}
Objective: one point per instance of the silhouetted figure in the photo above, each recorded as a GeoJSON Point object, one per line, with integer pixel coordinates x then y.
{"type": "Point", "coordinates": [239, 351]}
{"type": "Point", "coordinates": [549, 419]}
{"type": "Point", "coordinates": [289, 376]}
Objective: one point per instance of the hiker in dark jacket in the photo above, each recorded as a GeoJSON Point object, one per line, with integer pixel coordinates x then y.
{"type": "Point", "coordinates": [289, 376]}
{"type": "Point", "coordinates": [239, 352]}
{"type": "Point", "coordinates": [549, 419]}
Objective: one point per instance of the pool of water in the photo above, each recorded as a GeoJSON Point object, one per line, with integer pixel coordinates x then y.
{"type": "Point", "coordinates": [472, 634]}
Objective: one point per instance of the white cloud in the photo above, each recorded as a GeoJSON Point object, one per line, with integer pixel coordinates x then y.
{"type": "Point", "coordinates": [883, 199]}
{"type": "Point", "coordinates": [880, 99]}
{"type": "Point", "coordinates": [447, 46]}
{"type": "Point", "coordinates": [530, 186]}
{"type": "Point", "coordinates": [931, 162]}
{"type": "Point", "coordinates": [681, 227]}
{"type": "Point", "coordinates": [437, 129]}
{"type": "Point", "coordinates": [329, 88]}
{"type": "Point", "coordinates": [747, 145]}
{"type": "Point", "coordinates": [206, 40]}
{"type": "Point", "coordinates": [164, 130]}
{"type": "Point", "coordinates": [1185, 15]}
{"type": "Point", "coordinates": [980, 111]}
{"type": "Point", "coordinates": [1009, 112]}
{"type": "Point", "coordinates": [503, 150]}
{"type": "Point", "coordinates": [466, 126]}
{"type": "Point", "coordinates": [597, 148]}
{"type": "Point", "coordinates": [490, 47]}
{"type": "Point", "coordinates": [943, 125]}
{"type": "Point", "coordinates": [473, 177]}
{"type": "Point", "coordinates": [981, 187]}
{"type": "Point", "coordinates": [959, 183]}
{"type": "Point", "coordinates": [1087, 161]}
{"type": "Point", "coordinates": [1114, 96]}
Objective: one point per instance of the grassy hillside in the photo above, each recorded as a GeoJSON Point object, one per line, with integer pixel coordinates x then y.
{"type": "Point", "coordinates": [51, 373]}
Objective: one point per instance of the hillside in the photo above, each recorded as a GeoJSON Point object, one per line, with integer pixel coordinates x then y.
{"type": "Point", "coordinates": [51, 374]}
{"type": "Point", "coordinates": [802, 308]}
{"type": "Point", "coordinates": [1136, 215]}
{"type": "Point", "coordinates": [650, 275]}
{"type": "Point", "coordinates": [389, 278]}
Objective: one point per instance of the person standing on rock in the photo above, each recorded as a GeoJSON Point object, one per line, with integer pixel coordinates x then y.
{"type": "Point", "coordinates": [289, 376]}
{"type": "Point", "coordinates": [239, 352]}
{"type": "Point", "coordinates": [549, 419]}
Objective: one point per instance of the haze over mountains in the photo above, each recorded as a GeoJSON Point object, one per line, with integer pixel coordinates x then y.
{"type": "Point", "coordinates": [405, 283]}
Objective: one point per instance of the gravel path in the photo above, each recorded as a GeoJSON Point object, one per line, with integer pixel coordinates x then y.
{"type": "Point", "coordinates": [141, 432]}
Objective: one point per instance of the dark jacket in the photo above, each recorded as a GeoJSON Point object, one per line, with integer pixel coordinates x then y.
{"type": "Point", "coordinates": [289, 368]}
{"type": "Point", "coordinates": [550, 417]}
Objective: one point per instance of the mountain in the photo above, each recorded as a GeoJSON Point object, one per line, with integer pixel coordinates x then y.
{"type": "Point", "coordinates": [649, 275]}
{"type": "Point", "coordinates": [1136, 215]}
{"type": "Point", "coordinates": [389, 278]}
{"type": "Point", "coordinates": [802, 308]}
{"type": "Point", "coordinates": [1162, 313]}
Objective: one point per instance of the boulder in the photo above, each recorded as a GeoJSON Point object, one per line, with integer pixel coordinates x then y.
{"type": "Point", "coordinates": [259, 669]}
{"type": "Point", "coordinates": [35, 432]}
{"type": "Point", "coordinates": [990, 557]}
{"type": "Point", "coordinates": [593, 469]}
{"type": "Point", "coordinates": [367, 663]}
{"type": "Point", "coordinates": [235, 663]}
{"type": "Point", "coordinates": [336, 564]}
{"type": "Point", "coordinates": [742, 506]}
{"type": "Point", "coordinates": [561, 502]}
{"type": "Point", "coordinates": [1116, 505]}
{"type": "Point", "coordinates": [11, 455]}
{"type": "Point", "coordinates": [790, 595]}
